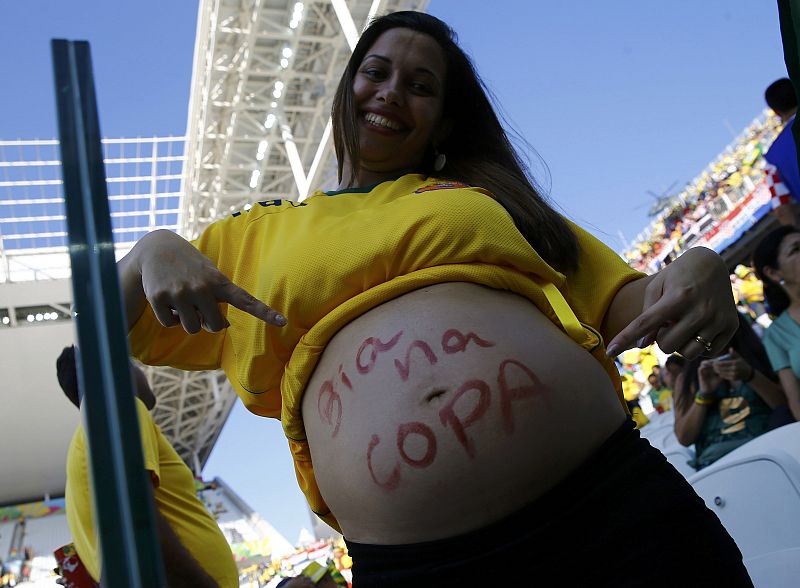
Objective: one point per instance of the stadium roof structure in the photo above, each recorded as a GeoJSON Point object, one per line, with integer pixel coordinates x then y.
{"type": "Point", "coordinates": [258, 128]}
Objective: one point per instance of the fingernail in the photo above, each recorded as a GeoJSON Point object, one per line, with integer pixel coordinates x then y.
{"type": "Point", "coordinates": [645, 341]}
{"type": "Point", "coordinates": [280, 320]}
{"type": "Point", "coordinates": [613, 350]}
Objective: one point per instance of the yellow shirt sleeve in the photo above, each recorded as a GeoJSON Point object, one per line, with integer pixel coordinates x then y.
{"type": "Point", "coordinates": [601, 274]}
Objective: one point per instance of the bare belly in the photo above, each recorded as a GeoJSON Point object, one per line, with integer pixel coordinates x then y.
{"type": "Point", "coordinates": [447, 409]}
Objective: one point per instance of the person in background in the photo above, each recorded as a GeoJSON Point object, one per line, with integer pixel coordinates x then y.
{"type": "Point", "coordinates": [748, 291]}
{"type": "Point", "coordinates": [195, 551]}
{"type": "Point", "coordinates": [315, 575]}
{"type": "Point", "coordinates": [632, 386]}
{"type": "Point", "coordinates": [660, 395]}
{"type": "Point", "coordinates": [673, 368]}
{"type": "Point", "coordinates": [631, 390]}
{"type": "Point", "coordinates": [722, 403]}
{"type": "Point", "coordinates": [656, 370]}
{"type": "Point", "coordinates": [782, 171]}
{"type": "Point", "coordinates": [777, 264]}
{"type": "Point", "coordinates": [27, 564]}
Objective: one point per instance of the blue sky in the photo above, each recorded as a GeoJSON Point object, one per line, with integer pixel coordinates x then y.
{"type": "Point", "coordinates": [617, 98]}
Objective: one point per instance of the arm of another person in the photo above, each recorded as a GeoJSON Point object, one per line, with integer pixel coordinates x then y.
{"type": "Point", "coordinates": [791, 386]}
{"type": "Point", "coordinates": [770, 392]}
{"type": "Point", "coordinates": [182, 569]}
{"type": "Point", "coordinates": [736, 368]}
{"type": "Point", "coordinates": [778, 349]}
{"type": "Point", "coordinates": [688, 423]}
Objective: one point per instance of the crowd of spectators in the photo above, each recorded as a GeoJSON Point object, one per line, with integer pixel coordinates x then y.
{"type": "Point", "coordinates": [330, 554]}
{"type": "Point", "coordinates": [738, 392]}
{"type": "Point", "coordinates": [735, 173]}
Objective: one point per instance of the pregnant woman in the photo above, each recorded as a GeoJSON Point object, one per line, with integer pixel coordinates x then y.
{"type": "Point", "coordinates": [436, 342]}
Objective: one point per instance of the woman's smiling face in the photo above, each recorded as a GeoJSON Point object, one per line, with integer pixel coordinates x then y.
{"type": "Point", "coordinates": [399, 93]}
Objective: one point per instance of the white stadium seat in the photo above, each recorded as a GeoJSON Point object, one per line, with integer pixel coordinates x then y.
{"type": "Point", "coordinates": [776, 569]}
{"type": "Point", "coordinates": [679, 456]}
{"type": "Point", "coordinates": [755, 492]}
{"type": "Point", "coordinates": [660, 433]}
{"type": "Point", "coordinates": [657, 437]}
{"type": "Point", "coordinates": [658, 422]}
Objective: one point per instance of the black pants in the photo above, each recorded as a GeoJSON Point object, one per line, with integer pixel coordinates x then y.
{"type": "Point", "coordinates": [626, 517]}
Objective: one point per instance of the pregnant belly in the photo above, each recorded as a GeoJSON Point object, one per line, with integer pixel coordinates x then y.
{"type": "Point", "coordinates": [447, 409]}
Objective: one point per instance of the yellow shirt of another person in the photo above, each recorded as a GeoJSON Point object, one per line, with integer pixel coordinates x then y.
{"type": "Point", "coordinates": [176, 500]}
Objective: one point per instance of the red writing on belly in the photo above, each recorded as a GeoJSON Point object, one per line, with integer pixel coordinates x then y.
{"type": "Point", "coordinates": [531, 388]}
{"type": "Point", "coordinates": [516, 382]}
{"type": "Point", "coordinates": [406, 429]}
{"type": "Point", "coordinates": [393, 481]}
{"type": "Point", "coordinates": [345, 380]}
{"type": "Point", "coordinates": [329, 405]}
{"type": "Point", "coordinates": [449, 417]}
{"type": "Point", "coordinates": [403, 368]}
{"type": "Point", "coordinates": [454, 341]}
{"type": "Point", "coordinates": [375, 347]}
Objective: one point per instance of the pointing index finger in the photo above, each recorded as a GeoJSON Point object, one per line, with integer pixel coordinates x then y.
{"type": "Point", "coordinates": [650, 321]}
{"type": "Point", "coordinates": [640, 329]}
{"type": "Point", "coordinates": [244, 301]}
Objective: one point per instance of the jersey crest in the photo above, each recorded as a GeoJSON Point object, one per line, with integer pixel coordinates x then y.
{"type": "Point", "coordinates": [440, 186]}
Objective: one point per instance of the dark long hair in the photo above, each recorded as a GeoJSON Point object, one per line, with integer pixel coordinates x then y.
{"type": "Point", "coordinates": [766, 255]}
{"type": "Point", "coordinates": [479, 152]}
{"type": "Point", "coordinates": [746, 343]}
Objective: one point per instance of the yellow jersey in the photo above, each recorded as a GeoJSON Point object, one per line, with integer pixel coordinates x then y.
{"type": "Point", "coordinates": [325, 261]}
{"type": "Point", "coordinates": [175, 499]}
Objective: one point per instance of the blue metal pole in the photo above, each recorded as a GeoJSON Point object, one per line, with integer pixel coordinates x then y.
{"type": "Point", "coordinates": [130, 554]}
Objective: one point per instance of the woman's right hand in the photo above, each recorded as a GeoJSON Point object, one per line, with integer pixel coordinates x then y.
{"type": "Point", "coordinates": [708, 377]}
{"type": "Point", "coordinates": [184, 287]}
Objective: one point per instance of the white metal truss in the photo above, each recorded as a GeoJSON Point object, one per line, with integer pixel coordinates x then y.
{"type": "Point", "coordinates": [143, 178]}
{"type": "Point", "coordinates": [191, 409]}
{"type": "Point", "coordinates": [264, 76]}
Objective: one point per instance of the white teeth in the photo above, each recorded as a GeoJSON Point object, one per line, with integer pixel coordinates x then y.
{"type": "Point", "coordinates": [378, 120]}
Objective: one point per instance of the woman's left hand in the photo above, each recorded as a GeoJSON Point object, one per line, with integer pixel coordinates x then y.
{"type": "Point", "coordinates": [687, 305]}
{"type": "Point", "coordinates": [733, 368]}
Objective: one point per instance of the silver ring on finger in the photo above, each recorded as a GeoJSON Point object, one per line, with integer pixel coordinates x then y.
{"type": "Point", "coordinates": [704, 342]}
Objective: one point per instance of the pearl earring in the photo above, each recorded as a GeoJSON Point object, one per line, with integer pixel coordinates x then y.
{"type": "Point", "coordinates": [782, 282]}
{"type": "Point", "coordinates": [439, 162]}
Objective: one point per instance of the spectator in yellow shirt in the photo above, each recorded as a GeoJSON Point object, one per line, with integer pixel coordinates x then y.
{"type": "Point", "coordinates": [195, 551]}
{"type": "Point", "coordinates": [660, 395]}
